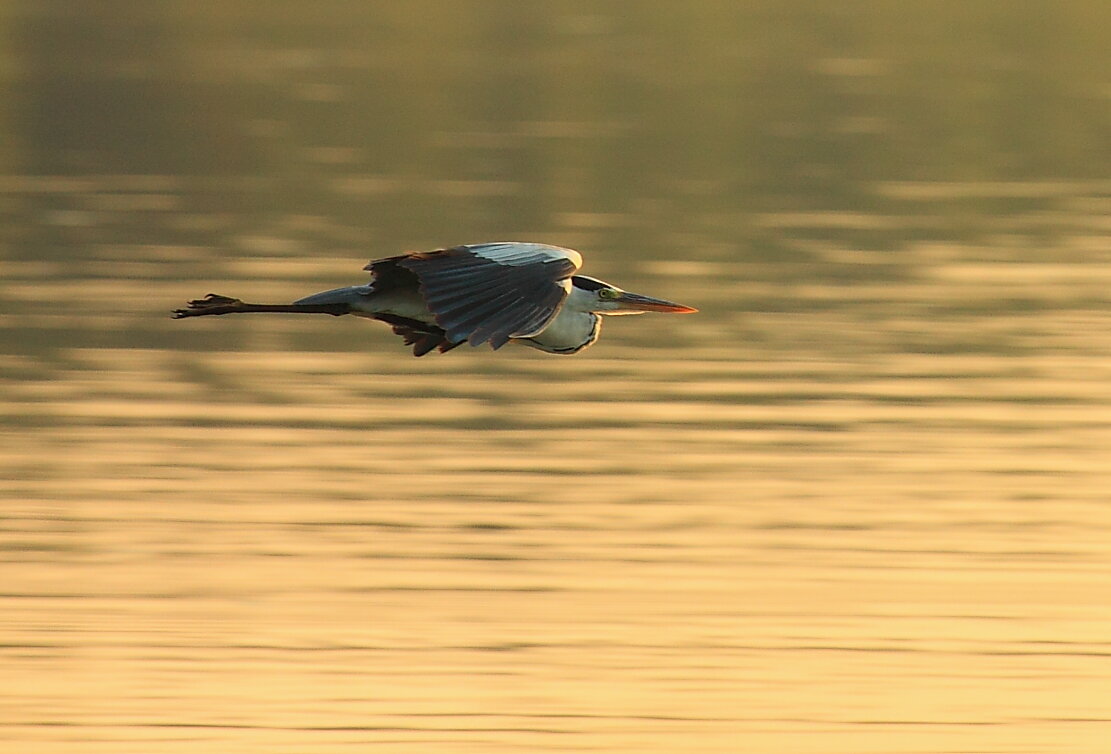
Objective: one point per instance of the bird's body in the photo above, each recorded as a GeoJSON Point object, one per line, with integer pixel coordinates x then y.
{"type": "Point", "coordinates": [485, 293]}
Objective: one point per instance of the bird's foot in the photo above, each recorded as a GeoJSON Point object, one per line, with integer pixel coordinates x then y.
{"type": "Point", "coordinates": [210, 304]}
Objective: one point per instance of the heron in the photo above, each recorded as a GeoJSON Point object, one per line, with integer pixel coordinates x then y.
{"type": "Point", "coordinates": [494, 293]}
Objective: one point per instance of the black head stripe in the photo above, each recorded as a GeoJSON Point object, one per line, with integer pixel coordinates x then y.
{"type": "Point", "coordinates": [588, 284]}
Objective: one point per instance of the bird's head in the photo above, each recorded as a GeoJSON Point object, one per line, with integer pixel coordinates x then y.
{"type": "Point", "coordinates": [602, 298]}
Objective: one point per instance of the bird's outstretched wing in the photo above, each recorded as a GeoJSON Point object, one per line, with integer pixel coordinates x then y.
{"type": "Point", "coordinates": [488, 292]}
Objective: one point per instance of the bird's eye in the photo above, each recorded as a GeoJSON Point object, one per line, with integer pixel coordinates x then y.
{"type": "Point", "coordinates": [609, 293]}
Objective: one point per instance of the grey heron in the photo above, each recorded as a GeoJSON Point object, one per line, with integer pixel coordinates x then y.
{"type": "Point", "coordinates": [491, 293]}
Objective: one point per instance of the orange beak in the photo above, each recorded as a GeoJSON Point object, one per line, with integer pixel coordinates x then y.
{"type": "Point", "coordinates": [634, 302]}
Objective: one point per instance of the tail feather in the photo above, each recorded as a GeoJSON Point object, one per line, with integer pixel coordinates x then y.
{"type": "Point", "coordinates": [352, 295]}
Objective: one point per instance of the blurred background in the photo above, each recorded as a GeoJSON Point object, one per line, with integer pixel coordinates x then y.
{"type": "Point", "coordinates": [858, 504]}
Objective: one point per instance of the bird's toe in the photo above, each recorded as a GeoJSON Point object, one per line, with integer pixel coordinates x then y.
{"type": "Point", "coordinates": [207, 305]}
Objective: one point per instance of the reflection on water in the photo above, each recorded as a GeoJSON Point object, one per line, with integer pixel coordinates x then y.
{"type": "Point", "coordinates": [858, 504]}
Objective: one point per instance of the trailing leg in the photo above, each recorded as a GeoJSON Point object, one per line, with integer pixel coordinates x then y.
{"type": "Point", "coordinates": [215, 304]}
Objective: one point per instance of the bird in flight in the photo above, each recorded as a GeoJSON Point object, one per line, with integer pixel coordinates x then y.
{"type": "Point", "coordinates": [492, 293]}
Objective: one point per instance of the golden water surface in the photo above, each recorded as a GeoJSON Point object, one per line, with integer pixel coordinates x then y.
{"type": "Point", "coordinates": [809, 539]}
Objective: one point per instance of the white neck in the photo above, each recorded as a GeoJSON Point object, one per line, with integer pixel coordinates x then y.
{"type": "Point", "coordinates": [573, 329]}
